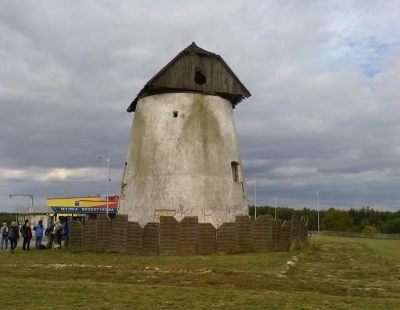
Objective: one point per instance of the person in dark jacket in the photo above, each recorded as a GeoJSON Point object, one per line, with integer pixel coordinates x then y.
{"type": "Point", "coordinates": [13, 236]}
{"type": "Point", "coordinates": [49, 234]}
{"type": "Point", "coordinates": [66, 233]}
{"type": "Point", "coordinates": [27, 234]}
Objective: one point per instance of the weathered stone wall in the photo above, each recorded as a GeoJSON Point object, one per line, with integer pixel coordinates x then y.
{"type": "Point", "coordinates": [170, 237]}
{"type": "Point", "coordinates": [188, 164]}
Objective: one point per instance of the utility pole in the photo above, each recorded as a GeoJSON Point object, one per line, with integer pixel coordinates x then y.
{"type": "Point", "coordinates": [108, 178]}
{"type": "Point", "coordinates": [317, 204]}
{"type": "Point", "coordinates": [255, 196]}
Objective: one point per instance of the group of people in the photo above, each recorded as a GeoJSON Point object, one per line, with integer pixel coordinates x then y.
{"type": "Point", "coordinates": [9, 234]}
{"type": "Point", "coordinates": [54, 233]}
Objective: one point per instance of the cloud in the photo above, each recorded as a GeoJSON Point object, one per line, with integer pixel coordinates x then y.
{"type": "Point", "coordinates": [323, 113]}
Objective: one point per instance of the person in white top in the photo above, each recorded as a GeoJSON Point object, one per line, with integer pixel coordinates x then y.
{"type": "Point", "coordinates": [4, 237]}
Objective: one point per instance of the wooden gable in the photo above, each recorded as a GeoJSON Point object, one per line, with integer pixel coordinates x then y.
{"type": "Point", "coordinates": [195, 70]}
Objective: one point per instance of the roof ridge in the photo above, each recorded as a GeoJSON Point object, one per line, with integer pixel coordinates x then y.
{"type": "Point", "coordinates": [193, 48]}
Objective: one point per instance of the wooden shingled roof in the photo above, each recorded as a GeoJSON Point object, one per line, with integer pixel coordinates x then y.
{"type": "Point", "coordinates": [195, 70]}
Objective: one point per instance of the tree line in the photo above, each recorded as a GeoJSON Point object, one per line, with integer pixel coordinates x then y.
{"type": "Point", "coordinates": [7, 218]}
{"type": "Point", "coordinates": [365, 219]}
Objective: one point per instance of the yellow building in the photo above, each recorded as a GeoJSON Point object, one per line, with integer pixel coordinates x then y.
{"type": "Point", "coordinates": [83, 205]}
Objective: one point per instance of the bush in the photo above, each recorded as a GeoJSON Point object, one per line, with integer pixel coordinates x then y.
{"type": "Point", "coordinates": [368, 229]}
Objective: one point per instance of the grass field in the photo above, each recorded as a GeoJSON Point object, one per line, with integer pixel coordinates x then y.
{"type": "Point", "coordinates": [333, 273]}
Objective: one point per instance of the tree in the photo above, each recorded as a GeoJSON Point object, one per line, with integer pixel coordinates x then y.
{"type": "Point", "coordinates": [337, 220]}
{"type": "Point", "coordinates": [392, 226]}
{"type": "Point", "coordinates": [7, 218]}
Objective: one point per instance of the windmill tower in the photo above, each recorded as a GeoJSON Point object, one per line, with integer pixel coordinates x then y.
{"type": "Point", "coordinates": [183, 158]}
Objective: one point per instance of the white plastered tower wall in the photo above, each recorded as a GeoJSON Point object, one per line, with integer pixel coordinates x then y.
{"type": "Point", "coordinates": [182, 156]}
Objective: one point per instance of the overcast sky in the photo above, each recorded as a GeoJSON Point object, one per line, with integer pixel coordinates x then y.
{"type": "Point", "coordinates": [324, 77]}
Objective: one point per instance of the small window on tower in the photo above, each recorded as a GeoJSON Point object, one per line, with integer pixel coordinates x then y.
{"type": "Point", "coordinates": [235, 171]}
{"type": "Point", "coordinates": [175, 113]}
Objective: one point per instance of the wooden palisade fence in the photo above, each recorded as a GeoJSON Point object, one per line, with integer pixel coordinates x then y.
{"type": "Point", "coordinates": [170, 237]}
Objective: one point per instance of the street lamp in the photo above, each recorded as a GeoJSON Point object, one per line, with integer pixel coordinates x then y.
{"type": "Point", "coordinates": [30, 210]}
{"type": "Point", "coordinates": [317, 204]}
{"type": "Point", "coordinates": [275, 207]}
{"type": "Point", "coordinates": [108, 179]}
{"type": "Point", "coordinates": [255, 196]}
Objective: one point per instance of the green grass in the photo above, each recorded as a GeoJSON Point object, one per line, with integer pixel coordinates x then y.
{"type": "Point", "coordinates": [333, 273]}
